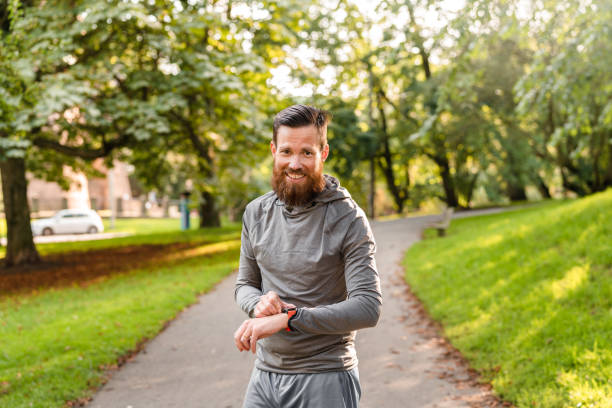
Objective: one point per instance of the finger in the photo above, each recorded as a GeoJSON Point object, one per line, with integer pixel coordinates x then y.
{"type": "Point", "coordinates": [238, 336]}
{"type": "Point", "coordinates": [245, 340]}
{"type": "Point", "coordinates": [257, 311]}
{"type": "Point", "coordinates": [253, 343]}
{"type": "Point", "coordinates": [276, 306]}
{"type": "Point", "coordinates": [288, 305]}
{"type": "Point", "coordinates": [262, 309]}
{"type": "Point", "coordinates": [273, 300]}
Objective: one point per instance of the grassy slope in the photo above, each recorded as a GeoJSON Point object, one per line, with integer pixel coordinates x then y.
{"type": "Point", "coordinates": [54, 345]}
{"type": "Point", "coordinates": [527, 297]}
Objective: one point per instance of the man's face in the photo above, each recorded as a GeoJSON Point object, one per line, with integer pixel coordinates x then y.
{"type": "Point", "coordinates": [298, 164]}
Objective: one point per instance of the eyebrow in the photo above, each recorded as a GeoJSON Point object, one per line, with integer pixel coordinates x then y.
{"type": "Point", "coordinates": [305, 148]}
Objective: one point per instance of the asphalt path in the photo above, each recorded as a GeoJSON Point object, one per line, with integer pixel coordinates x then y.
{"type": "Point", "coordinates": [402, 361]}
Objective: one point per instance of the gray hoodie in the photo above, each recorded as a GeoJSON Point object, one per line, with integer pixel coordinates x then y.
{"type": "Point", "coordinates": [319, 257]}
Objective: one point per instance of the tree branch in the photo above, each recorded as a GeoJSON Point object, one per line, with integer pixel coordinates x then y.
{"type": "Point", "coordinates": [83, 153]}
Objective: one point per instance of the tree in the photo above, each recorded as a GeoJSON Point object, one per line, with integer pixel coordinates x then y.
{"type": "Point", "coordinates": [219, 64]}
{"type": "Point", "coordinates": [500, 60]}
{"type": "Point", "coordinates": [63, 68]}
{"type": "Point", "coordinates": [449, 127]}
{"type": "Point", "coordinates": [567, 95]}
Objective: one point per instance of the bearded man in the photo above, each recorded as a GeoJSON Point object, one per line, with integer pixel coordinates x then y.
{"type": "Point", "coordinates": [307, 277]}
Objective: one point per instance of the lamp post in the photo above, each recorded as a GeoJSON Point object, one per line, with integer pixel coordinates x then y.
{"type": "Point", "coordinates": [184, 208]}
{"type": "Point", "coordinates": [111, 197]}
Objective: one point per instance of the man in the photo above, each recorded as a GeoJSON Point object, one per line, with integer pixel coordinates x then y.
{"type": "Point", "coordinates": [307, 276]}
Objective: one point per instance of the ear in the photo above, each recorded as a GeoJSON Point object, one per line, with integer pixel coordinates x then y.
{"type": "Point", "coordinates": [272, 148]}
{"type": "Point", "coordinates": [325, 152]}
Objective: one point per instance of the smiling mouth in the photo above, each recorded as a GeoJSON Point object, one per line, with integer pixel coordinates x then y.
{"type": "Point", "coordinates": [295, 177]}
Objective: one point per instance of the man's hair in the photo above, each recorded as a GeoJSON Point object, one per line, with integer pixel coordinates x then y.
{"type": "Point", "coordinates": [302, 115]}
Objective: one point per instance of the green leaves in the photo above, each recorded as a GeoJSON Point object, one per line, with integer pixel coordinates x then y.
{"type": "Point", "coordinates": [12, 147]}
{"type": "Point", "coordinates": [567, 93]}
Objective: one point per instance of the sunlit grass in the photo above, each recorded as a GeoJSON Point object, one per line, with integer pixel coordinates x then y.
{"type": "Point", "coordinates": [193, 236]}
{"type": "Point", "coordinates": [133, 225]}
{"type": "Point", "coordinates": [156, 235]}
{"type": "Point", "coordinates": [527, 297]}
{"type": "Point", "coordinates": [146, 231]}
{"type": "Point", "coordinates": [55, 345]}
{"type": "Point", "coordinates": [148, 225]}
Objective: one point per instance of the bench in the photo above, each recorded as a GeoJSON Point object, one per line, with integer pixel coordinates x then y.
{"type": "Point", "coordinates": [444, 222]}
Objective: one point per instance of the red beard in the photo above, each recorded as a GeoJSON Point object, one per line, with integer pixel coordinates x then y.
{"type": "Point", "coordinates": [294, 194]}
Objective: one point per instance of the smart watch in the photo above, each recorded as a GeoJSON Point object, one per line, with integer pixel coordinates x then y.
{"type": "Point", "coordinates": [291, 312]}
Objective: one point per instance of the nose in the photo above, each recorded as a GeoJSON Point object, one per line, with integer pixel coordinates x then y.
{"type": "Point", "coordinates": [295, 163]}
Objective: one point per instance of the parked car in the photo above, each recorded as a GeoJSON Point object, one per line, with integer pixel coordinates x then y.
{"type": "Point", "coordinates": [69, 222]}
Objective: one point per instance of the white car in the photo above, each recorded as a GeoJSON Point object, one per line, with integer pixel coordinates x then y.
{"type": "Point", "coordinates": [69, 222]}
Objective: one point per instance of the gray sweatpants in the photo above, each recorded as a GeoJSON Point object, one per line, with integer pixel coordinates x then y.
{"type": "Point", "coordinates": [338, 389]}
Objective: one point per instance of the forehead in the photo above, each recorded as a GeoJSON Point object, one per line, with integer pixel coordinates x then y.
{"type": "Point", "coordinates": [301, 136]}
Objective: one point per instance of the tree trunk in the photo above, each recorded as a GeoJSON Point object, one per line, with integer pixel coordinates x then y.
{"type": "Point", "coordinates": [542, 187]}
{"type": "Point", "coordinates": [166, 206]}
{"type": "Point", "coordinates": [516, 192]}
{"type": "Point", "coordinates": [572, 184]}
{"type": "Point", "coordinates": [387, 169]}
{"type": "Point", "coordinates": [20, 247]}
{"type": "Point", "coordinates": [449, 189]}
{"type": "Point", "coordinates": [209, 213]}
{"type": "Point", "coordinates": [471, 188]}
{"type": "Point", "coordinates": [608, 177]}
{"type": "Point", "coordinates": [371, 128]}
{"type": "Point", "coordinates": [447, 182]}
{"type": "Point", "coordinates": [399, 193]}
{"type": "Point", "coordinates": [372, 186]}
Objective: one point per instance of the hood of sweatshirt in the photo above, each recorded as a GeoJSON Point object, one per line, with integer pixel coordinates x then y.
{"type": "Point", "coordinates": [332, 192]}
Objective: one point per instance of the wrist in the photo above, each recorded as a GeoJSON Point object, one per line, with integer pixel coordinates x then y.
{"type": "Point", "coordinates": [289, 313]}
{"type": "Point", "coordinates": [284, 318]}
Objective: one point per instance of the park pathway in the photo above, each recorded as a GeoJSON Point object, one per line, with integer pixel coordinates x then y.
{"type": "Point", "coordinates": [402, 361]}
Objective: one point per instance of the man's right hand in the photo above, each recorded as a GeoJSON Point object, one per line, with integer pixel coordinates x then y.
{"type": "Point", "coordinates": [270, 304]}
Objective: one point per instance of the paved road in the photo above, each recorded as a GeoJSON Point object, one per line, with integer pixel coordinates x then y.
{"type": "Point", "coordinates": [193, 363]}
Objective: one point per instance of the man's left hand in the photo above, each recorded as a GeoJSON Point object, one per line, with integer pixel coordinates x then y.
{"type": "Point", "coordinates": [270, 304]}
{"type": "Point", "coordinates": [252, 330]}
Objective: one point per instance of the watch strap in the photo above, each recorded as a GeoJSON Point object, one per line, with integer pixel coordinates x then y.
{"type": "Point", "coordinates": [291, 312]}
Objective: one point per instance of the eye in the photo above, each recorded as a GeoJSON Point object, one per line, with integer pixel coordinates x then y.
{"type": "Point", "coordinates": [307, 153]}
{"type": "Point", "coordinates": [284, 151]}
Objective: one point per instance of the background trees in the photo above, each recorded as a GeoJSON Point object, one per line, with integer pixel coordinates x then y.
{"type": "Point", "coordinates": [566, 97]}
{"type": "Point", "coordinates": [491, 101]}
{"type": "Point", "coordinates": [93, 79]}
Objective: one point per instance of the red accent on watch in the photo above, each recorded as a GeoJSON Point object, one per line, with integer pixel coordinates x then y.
{"type": "Point", "coordinates": [291, 311]}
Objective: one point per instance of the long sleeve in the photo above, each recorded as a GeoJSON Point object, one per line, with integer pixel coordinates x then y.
{"type": "Point", "coordinates": [362, 307]}
{"type": "Point", "coordinates": [248, 284]}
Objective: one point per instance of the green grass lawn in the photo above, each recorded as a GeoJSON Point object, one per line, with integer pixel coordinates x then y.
{"type": "Point", "coordinates": [194, 236]}
{"type": "Point", "coordinates": [55, 344]}
{"type": "Point", "coordinates": [134, 225]}
{"type": "Point", "coordinates": [526, 296]}
{"type": "Point", "coordinates": [151, 231]}
{"type": "Point", "coordinates": [150, 225]}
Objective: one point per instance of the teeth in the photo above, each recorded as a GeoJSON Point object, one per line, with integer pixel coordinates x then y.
{"type": "Point", "coordinates": [295, 176]}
